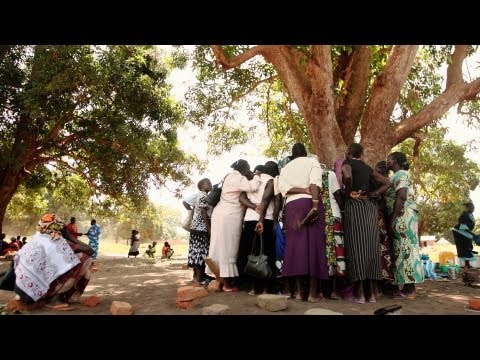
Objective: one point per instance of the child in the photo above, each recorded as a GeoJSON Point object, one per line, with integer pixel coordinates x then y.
{"type": "Point", "coordinates": [150, 252]}
{"type": "Point", "coordinates": [167, 251]}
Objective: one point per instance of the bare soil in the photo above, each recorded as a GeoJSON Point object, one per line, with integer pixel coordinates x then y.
{"type": "Point", "coordinates": [150, 287]}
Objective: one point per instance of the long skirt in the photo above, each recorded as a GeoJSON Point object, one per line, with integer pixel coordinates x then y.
{"type": "Point", "coordinates": [304, 245]}
{"type": "Point", "coordinates": [362, 241]}
{"type": "Point", "coordinates": [406, 250]}
{"type": "Point", "coordinates": [198, 248]}
{"type": "Point", "coordinates": [464, 245]}
{"type": "Point", "coordinates": [385, 246]}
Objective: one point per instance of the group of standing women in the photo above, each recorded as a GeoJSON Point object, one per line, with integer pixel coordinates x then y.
{"type": "Point", "coordinates": [377, 244]}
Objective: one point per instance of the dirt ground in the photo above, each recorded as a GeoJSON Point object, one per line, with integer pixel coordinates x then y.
{"type": "Point", "coordinates": [151, 285]}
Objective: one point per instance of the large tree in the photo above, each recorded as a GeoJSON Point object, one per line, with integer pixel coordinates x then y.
{"type": "Point", "coordinates": [102, 112]}
{"type": "Point", "coordinates": [326, 95]}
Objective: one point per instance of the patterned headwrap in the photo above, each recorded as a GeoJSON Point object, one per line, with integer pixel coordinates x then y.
{"type": "Point", "coordinates": [49, 223]}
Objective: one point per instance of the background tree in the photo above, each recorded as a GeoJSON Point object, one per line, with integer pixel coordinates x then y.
{"type": "Point", "coordinates": [101, 112]}
{"type": "Point", "coordinates": [443, 179]}
{"type": "Point", "coordinates": [73, 198]}
{"type": "Point", "coordinates": [328, 94]}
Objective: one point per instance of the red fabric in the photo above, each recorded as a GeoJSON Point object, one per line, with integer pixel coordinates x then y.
{"type": "Point", "coordinates": [72, 229]}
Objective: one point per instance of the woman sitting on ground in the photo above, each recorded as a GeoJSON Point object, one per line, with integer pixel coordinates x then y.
{"type": "Point", "coordinates": [49, 265]}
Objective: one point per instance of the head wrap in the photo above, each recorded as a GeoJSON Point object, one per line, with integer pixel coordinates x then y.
{"type": "Point", "coordinates": [49, 223]}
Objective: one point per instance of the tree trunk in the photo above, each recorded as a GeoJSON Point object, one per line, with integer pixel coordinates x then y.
{"type": "Point", "coordinates": [7, 190]}
{"type": "Point", "coordinates": [325, 135]}
{"type": "Point", "coordinates": [377, 144]}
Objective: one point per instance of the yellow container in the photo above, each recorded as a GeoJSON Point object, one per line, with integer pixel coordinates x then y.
{"type": "Point", "coordinates": [446, 257]}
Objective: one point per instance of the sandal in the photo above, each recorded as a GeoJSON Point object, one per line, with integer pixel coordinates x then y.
{"type": "Point", "coordinates": [230, 289]}
{"type": "Point", "coordinates": [358, 300]}
{"type": "Point", "coordinates": [298, 297]}
{"type": "Point", "coordinates": [314, 299]}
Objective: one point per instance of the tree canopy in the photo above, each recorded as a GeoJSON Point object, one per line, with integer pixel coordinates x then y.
{"type": "Point", "coordinates": [101, 112]}
{"type": "Point", "coordinates": [328, 96]}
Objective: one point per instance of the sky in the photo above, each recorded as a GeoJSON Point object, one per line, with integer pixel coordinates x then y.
{"type": "Point", "coordinates": [194, 140]}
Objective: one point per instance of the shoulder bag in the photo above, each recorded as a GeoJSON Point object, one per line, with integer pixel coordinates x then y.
{"type": "Point", "coordinates": [257, 265]}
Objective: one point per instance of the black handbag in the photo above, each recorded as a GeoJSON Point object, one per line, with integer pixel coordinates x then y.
{"type": "Point", "coordinates": [257, 265]}
{"type": "Point", "coordinates": [213, 196]}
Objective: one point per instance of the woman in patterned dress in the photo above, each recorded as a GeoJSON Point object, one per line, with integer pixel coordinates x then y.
{"type": "Point", "coordinates": [403, 214]}
{"type": "Point", "coordinates": [200, 232]}
{"type": "Point", "coordinates": [50, 266]}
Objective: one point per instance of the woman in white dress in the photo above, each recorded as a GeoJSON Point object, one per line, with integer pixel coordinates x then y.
{"type": "Point", "coordinates": [227, 220]}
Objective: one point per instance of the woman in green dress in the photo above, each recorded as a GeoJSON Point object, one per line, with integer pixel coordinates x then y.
{"type": "Point", "coordinates": [403, 215]}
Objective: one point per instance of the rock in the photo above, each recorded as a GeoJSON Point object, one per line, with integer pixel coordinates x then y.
{"type": "Point", "coordinates": [272, 302]}
{"type": "Point", "coordinates": [319, 311]}
{"type": "Point", "coordinates": [91, 301]}
{"type": "Point", "coordinates": [121, 308]}
{"type": "Point", "coordinates": [185, 293]}
{"type": "Point", "coordinates": [199, 292]}
{"type": "Point", "coordinates": [216, 309]}
{"type": "Point", "coordinates": [185, 304]}
{"type": "Point", "coordinates": [188, 293]}
{"type": "Point", "coordinates": [214, 286]}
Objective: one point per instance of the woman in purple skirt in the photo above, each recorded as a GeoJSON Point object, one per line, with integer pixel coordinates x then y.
{"type": "Point", "coordinates": [299, 182]}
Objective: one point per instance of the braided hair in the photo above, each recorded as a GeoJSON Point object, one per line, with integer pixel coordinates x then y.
{"type": "Point", "coordinates": [355, 149]}
{"type": "Point", "coordinates": [401, 159]}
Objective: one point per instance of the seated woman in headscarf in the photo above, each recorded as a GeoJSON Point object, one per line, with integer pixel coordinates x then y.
{"type": "Point", "coordinates": [48, 266]}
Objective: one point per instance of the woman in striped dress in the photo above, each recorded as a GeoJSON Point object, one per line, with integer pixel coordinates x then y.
{"type": "Point", "coordinates": [362, 239]}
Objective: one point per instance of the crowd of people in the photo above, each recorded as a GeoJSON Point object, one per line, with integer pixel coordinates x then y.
{"type": "Point", "coordinates": [346, 232]}
{"type": "Point", "coordinates": [349, 232]}
{"type": "Point", "coordinates": [13, 246]}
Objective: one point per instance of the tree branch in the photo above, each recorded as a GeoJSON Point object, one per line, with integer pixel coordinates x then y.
{"type": "Point", "coordinates": [438, 107]}
{"type": "Point", "coordinates": [288, 63]}
{"type": "Point", "coordinates": [467, 113]}
{"type": "Point", "coordinates": [248, 91]}
{"type": "Point", "coordinates": [52, 161]}
{"type": "Point", "coordinates": [454, 70]}
{"type": "Point", "coordinates": [350, 105]}
{"type": "Point", "coordinates": [226, 64]}
{"type": "Point", "coordinates": [60, 123]}
{"type": "Point", "coordinates": [344, 62]}
{"type": "Point", "coordinates": [386, 88]}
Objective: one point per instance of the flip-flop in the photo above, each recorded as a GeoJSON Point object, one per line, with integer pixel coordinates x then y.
{"type": "Point", "coordinates": [298, 297]}
{"type": "Point", "coordinates": [358, 300]}
{"type": "Point", "coordinates": [230, 290]}
{"type": "Point", "coordinates": [314, 300]}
